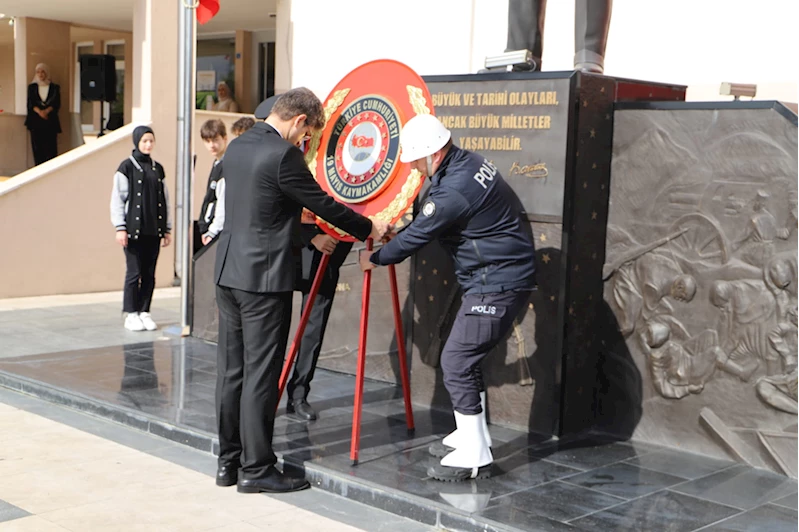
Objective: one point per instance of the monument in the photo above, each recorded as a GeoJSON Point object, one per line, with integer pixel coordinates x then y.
{"type": "Point", "coordinates": [666, 236]}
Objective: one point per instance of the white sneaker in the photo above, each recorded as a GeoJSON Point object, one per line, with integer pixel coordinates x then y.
{"type": "Point", "coordinates": [147, 321]}
{"type": "Point", "coordinates": [133, 322]}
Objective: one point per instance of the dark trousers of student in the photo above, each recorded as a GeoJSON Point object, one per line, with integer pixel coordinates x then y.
{"type": "Point", "coordinates": [253, 332]}
{"type": "Point", "coordinates": [44, 144]}
{"type": "Point", "coordinates": [141, 256]}
{"type": "Point", "coordinates": [311, 343]}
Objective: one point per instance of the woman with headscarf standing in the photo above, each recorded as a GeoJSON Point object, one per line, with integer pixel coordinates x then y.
{"type": "Point", "coordinates": [44, 101]}
{"type": "Point", "coordinates": [226, 103]}
{"type": "Point", "coordinates": [141, 214]}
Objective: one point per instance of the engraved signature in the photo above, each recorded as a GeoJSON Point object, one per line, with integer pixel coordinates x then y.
{"type": "Point", "coordinates": [538, 170]}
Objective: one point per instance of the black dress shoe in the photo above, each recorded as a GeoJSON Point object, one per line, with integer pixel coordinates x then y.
{"type": "Point", "coordinates": [273, 482]}
{"type": "Point", "coordinates": [301, 410]}
{"type": "Point", "coordinates": [227, 476]}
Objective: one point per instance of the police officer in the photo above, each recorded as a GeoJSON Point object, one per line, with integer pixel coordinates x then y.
{"type": "Point", "coordinates": [471, 210]}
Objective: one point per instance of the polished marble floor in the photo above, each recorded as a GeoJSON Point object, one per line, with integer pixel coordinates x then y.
{"type": "Point", "coordinates": [537, 484]}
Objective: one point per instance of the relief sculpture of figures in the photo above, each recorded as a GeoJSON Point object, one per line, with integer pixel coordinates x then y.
{"type": "Point", "coordinates": [701, 274]}
{"type": "Point", "coordinates": [755, 245]}
{"type": "Point", "coordinates": [641, 287]}
{"type": "Point", "coordinates": [780, 278]}
{"type": "Point", "coordinates": [591, 24]}
{"type": "Point", "coordinates": [780, 390]}
{"type": "Point", "coordinates": [747, 315]}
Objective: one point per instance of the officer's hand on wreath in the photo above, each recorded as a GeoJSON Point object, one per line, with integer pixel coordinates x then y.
{"type": "Point", "coordinates": [122, 238]}
{"type": "Point", "coordinates": [388, 237]}
{"type": "Point", "coordinates": [380, 229]}
{"type": "Point", "coordinates": [364, 257]}
{"type": "Point", "coordinates": [324, 243]}
{"type": "Point", "coordinates": [166, 241]}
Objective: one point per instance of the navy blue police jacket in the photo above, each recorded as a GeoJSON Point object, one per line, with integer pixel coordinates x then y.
{"type": "Point", "coordinates": [474, 214]}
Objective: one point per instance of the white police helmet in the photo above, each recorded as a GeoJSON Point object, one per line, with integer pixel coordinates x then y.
{"type": "Point", "coordinates": [422, 136]}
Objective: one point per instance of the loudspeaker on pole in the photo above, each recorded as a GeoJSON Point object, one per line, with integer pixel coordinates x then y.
{"type": "Point", "coordinates": [98, 78]}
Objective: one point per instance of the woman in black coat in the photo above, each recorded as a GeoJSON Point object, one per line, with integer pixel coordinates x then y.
{"type": "Point", "coordinates": [44, 101]}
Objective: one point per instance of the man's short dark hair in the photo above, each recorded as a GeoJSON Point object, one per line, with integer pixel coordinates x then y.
{"type": "Point", "coordinates": [241, 125]}
{"type": "Point", "coordinates": [300, 101]}
{"type": "Point", "coordinates": [212, 129]}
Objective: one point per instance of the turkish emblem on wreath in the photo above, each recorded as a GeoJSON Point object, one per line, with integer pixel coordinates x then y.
{"type": "Point", "coordinates": [355, 158]}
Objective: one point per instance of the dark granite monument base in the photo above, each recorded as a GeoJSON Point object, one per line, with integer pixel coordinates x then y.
{"type": "Point", "coordinates": [166, 388]}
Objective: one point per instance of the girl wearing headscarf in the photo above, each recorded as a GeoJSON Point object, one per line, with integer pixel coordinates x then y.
{"type": "Point", "coordinates": [44, 101]}
{"type": "Point", "coordinates": [226, 104]}
{"type": "Point", "coordinates": [141, 214]}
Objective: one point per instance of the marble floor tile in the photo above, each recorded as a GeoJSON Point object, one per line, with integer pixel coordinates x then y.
{"type": "Point", "coordinates": [524, 520]}
{"type": "Point", "coordinates": [789, 502]}
{"type": "Point", "coordinates": [740, 486]}
{"type": "Point", "coordinates": [589, 455]}
{"type": "Point", "coordinates": [664, 510]}
{"type": "Point", "coordinates": [518, 472]}
{"type": "Point", "coordinates": [680, 464]}
{"type": "Point", "coordinates": [769, 517]}
{"type": "Point", "coordinates": [624, 480]}
{"type": "Point", "coordinates": [557, 500]}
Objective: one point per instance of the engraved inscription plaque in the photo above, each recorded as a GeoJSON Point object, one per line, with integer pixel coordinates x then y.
{"type": "Point", "coordinates": [520, 125]}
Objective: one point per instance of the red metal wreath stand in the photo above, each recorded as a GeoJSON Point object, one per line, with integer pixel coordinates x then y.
{"type": "Point", "coordinates": [359, 375]}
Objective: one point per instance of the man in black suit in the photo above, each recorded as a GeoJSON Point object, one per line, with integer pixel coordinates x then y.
{"type": "Point", "coordinates": [268, 184]}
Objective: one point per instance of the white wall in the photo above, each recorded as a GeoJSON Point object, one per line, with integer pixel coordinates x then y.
{"type": "Point", "coordinates": [330, 38]}
{"type": "Point", "coordinates": [699, 43]}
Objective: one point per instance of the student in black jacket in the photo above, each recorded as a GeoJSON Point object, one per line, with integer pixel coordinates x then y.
{"type": "Point", "coordinates": [44, 102]}
{"type": "Point", "coordinates": [212, 211]}
{"type": "Point", "coordinates": [141, 214]}
{"type": "Point", "coordinates": [268, 184]}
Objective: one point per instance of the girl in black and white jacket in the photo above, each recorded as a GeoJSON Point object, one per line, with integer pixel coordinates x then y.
{"type": "Point", "coordinates": [141, 214]}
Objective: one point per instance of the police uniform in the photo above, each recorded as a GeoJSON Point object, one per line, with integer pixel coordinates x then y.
{"type": "Point", "coordinates": [471, 210]}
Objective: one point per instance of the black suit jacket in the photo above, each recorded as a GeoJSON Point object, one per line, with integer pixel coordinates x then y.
{"type": "Point", "coordinates": [35, 122]}
{"type": "Point", "coordinates": [267, 183]}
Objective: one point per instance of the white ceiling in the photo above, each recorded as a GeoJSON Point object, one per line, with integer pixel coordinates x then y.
{"type": "Point", "coordinates": [251, 15]}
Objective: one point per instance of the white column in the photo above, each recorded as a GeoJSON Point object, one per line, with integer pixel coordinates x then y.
{"type": "Point", "coordinates": [21, 76]}
{"type": "Point", "coordinates": [284, 47]}
{"type": "Point", "coordinates": [141, 111]}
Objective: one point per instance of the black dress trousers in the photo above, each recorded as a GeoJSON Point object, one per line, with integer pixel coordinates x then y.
{"type": "Point", "coordinates": [311, 343]}
{"type": "Point", "coordinates": [141, 256]}
{"type": "Point", "coordinates": [253, 332]}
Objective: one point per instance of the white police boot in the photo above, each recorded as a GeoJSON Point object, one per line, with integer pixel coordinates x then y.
{"type": "Point", "coordinates": [442, 448]}
{"type": "Point", "coordinates": [472, 458]}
